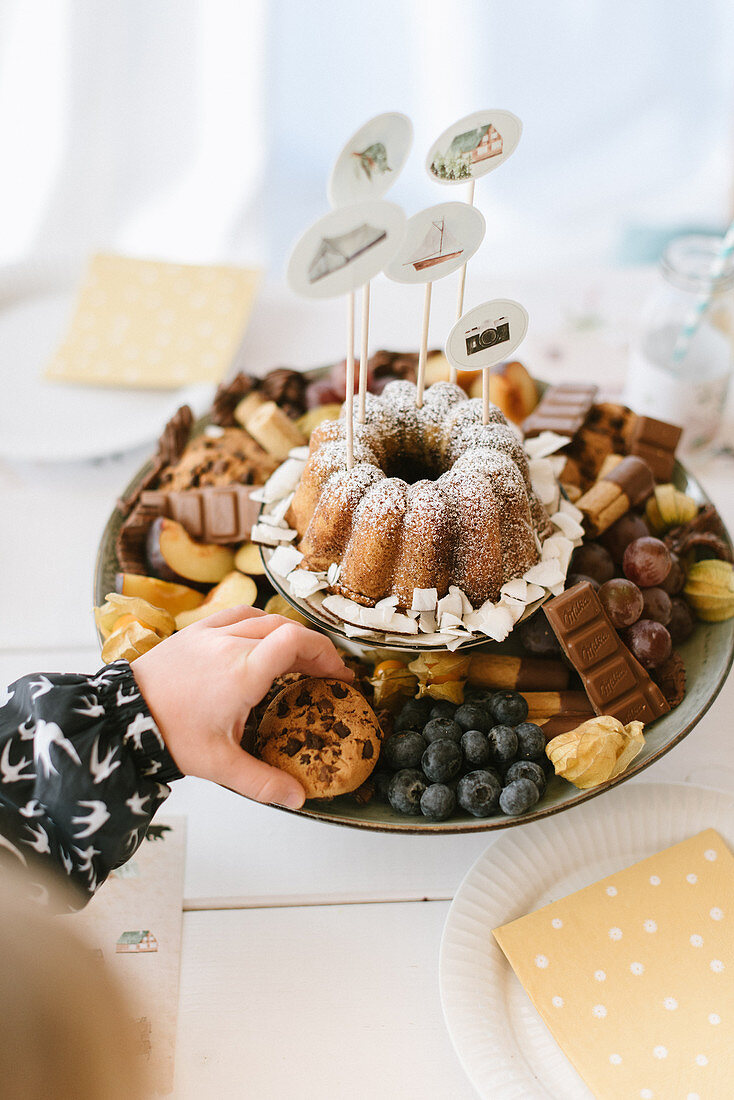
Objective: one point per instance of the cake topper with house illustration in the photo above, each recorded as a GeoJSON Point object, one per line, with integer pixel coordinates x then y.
{"type": "Point", "coordinates": [473, 146]}
{"type": "Point", "coordinates": [436, 242]}
{"type": "Point", "coordinates": [372, 159]}
{"type": "Point", "coordinates": [344, 249]}
{"type": "Point", "coordinates": [136, 942]}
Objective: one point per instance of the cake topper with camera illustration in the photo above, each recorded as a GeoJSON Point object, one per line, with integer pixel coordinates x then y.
{"type": "Point", "coordinates": [467, 150]}
{"type": "Point", "coordinates": [486, 335]}
{"type": "Point", "coordinates": [339, 253]}
{"type": "Point", "coordinates": [367, 167]}
{"type": "Point", "coordinates": [436, 242]}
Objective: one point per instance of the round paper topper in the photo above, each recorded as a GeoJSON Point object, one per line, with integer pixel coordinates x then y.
{"type": "Point", "coordinates": [436, 242]}
{"type": "Point", "coordinates": [473, 146]}
{"type": "Point", "coordinates": [486, 334]}
{"type": "Point", "coordinates": [371, 160]}
{"type": "Point", "coordinates": [345, 249]}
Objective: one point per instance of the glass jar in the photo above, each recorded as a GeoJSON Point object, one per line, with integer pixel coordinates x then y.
{"type": "Point", "coordinates": [690, 390]}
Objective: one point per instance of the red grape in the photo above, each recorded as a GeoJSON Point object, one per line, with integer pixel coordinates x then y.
{"type": "Point", "coordinates": [579, 578]}
{"type": "Point", "coordinates": [622, 601]}
{"type": "Point", "coordinates": [321, 392]}
{"type": "Point", "coordinates": [646, 562]}
{"type": "Point", "coordinates": [593, 561]}
{"type": "Point", "coordinates": [682, 622]}
{"type": "Point", "coordinates": [338, 378]}
{"type": "Point", "coordinates": [649, 642]}
{"type": "Point", "coordinates": [676, 578]}
{"type": "Point", "coordinates": [657, 605]}
{"type": "Point", "coordinates": [618, 537]}
{"type": "Point", "coordinates": [537, 637]}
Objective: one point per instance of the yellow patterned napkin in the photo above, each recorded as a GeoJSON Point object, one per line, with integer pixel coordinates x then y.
{"type": "Point", "coordinates": [146, 324]}
{"type": "Point", "coordinates": [634, 975]}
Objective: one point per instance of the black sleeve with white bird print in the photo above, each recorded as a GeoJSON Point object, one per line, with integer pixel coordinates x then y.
{"type": "Point", "coordinates": [83, 769]}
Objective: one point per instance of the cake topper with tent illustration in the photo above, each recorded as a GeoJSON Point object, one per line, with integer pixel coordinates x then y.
{"type": "Point", "coordinates": [435, 243]}
{"type": "Point", "coordinates": [486, 335]}
{"type": "Point", "coordinates": [371, 160]}
{"type": "Point", "coordinates": [339, 253]}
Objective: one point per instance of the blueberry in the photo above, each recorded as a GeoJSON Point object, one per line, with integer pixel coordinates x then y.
{"type": "Point", "coordinates": [509, 708]}
{"type": "Point", "coordinates": [502, 745]}
{"type": "Point", "coordinates": [442, 761]}
{"type": "Point", "coordinates": [471, 716]}
{"type": "Point", "coordinates": [381, 780]}
{"type": "Point", "coordinates": [413, 715]}
{"type": "Point", "coordinates": [439, 729]}
{"type": "Point", "coordinates": [527, 769]}
{"type": "Point", "coordinates": [479, 793]}
{"type": "Point", "coordinates": [476, 748]}
{"type": "Point", "coordinates": [518, 796]}
{"type": "Point", "coordinates": [403, 750]}
{"type": "Point", "coordinates": [438, 802]}
{"type": "Point", "coordinates": [405, 791]}
{"type": "Point", "coordinates": [530, 741]}
{"type": "Point", "coordinates": [441, 708]}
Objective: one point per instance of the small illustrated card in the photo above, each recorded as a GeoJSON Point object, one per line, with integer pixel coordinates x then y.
{"type": "Point", "coordinates": [436, 242]}
{"type": "Point", "coordinates": [152, 325]}
{"type": "Point", "coordinates": [633, 975]}
{"type": "Point", "coordinates": [134, 922]}
{"type": "Point", "coordinates": [473, 146]}
{"type": "Point", "coordinates": [371, 160]}
{"type": "Point", "coordinates": [487, 334]}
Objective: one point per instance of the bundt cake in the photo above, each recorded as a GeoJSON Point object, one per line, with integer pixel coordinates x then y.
{"type": "Point", "coordinates": [434, 498]}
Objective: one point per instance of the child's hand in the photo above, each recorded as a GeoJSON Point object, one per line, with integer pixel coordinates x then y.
{"type": "Point", "coordinates": [201, 683]}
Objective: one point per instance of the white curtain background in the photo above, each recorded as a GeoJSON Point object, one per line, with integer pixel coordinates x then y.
{"type": "Point", "coordinates": [204, 130]}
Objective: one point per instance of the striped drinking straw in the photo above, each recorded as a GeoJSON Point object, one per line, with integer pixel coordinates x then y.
{"type": "Point", "coordinates": [693, 320]}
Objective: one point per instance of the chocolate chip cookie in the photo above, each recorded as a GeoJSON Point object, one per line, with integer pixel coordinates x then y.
{"type": "Point", "coordinates": [323, 732]}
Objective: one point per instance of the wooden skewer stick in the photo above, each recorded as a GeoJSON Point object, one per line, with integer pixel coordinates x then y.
{"type": "Point", "coordinates": [424, 347]}
{"type": "Point", "coordinates": [462, 284]}
{"type": "Point", "coordinates": [350, 381]}
{"type": "Point", "coordinates": [485, 395]}
{"type": "Point", "coordinates": [363, 351]}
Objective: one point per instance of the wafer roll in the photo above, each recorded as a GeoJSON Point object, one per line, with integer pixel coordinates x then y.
{"type": "Point", "coordinates": [628, 484]}
{"type": "Point", "coordinates": [551, 704]}
{"type": "Point", "coordinates": [533, 674]}
{"type": "Point", "coordinates": [274, 431]}
{"type": "Point", "coordinates": [248, 406]}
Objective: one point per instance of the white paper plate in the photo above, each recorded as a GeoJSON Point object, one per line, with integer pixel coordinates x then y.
{"type": "Point", "coordinates": [48, 421]}
{"type": "Point", "coordinates": [501, 1040]}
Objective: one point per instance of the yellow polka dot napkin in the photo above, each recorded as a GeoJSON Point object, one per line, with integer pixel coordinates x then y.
{"type": "Point", "coordinates": [634, 975]}
{"type": "Point", "coordinates": [147, 324]}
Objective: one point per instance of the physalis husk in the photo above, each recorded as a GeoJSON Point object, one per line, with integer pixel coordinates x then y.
{"type": "Point", "coordinates": [441, 675]}
{"type": "Point", "coordinates": [596, 751]}
{"type": "Point", "coordinates": [392, 681]}
{"type": "Point", "coordinates": [115, 606]}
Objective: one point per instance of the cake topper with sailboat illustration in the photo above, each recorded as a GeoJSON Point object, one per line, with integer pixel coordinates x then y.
{"type": "Point", "coordinates": [345, 248]}
{"type": "Point", "coordinates": [371, 160]}
{"type": "Point", "coordinates": [473, 146]}
{"type": "Point", "coordinates": [436, 242]}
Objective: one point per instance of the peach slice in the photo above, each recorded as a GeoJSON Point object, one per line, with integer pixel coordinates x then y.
{"type": "Point", "coordinates": [248, 559]}
{"type": "Point", "coordinates": [233, 590]}
{"type": "Point", "coordinates": [173, 554]}
{"type": "Point", "coordinates": [171, 597]}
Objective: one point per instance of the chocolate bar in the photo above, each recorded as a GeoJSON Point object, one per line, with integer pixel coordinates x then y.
{"type": "Point", "coordinates": [626, 485]}
{"type": "Point", "coordinates": [217, 513]}
{"type": "Point", "coordinates": [615, 682]}
{"type": "Point", "coordinates": [655, 442]}
{"type": "Point", "coordinates": [561, 409]}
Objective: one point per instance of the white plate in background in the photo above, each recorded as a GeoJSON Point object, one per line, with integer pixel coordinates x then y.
{"type": "Point", "coordinates": [56, 422]}
{"type": "Point", "coordinates": [505, 1048]}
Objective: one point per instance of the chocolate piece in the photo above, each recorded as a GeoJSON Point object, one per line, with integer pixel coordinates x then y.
{"type": "Point", "coordinates": [615, 682]}
{"type": "Point", "coordinates": [562, 409]}
{"type": "Point", "coordinates": [228, 396]}
{"type": "Point", "coordinates": [287, 388]}
{"type": "Point", "coordinates": [221, 514]}
{"type": "Point", "coordinates": [625, 486]}
{"type": "Point", "coordinates": [671, 679]}
{"type": "Point", "coordinates": [654, 441]}
{"type": "Point", "coordinates": [705, 532]}
{"type": "Point", "coordinates": [396, 364]}
{"type": "Point", "coordinates": [130, 542]}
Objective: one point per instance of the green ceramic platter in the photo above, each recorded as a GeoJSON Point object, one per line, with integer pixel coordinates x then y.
{"type": "Point", "coordinates": [708, 656]}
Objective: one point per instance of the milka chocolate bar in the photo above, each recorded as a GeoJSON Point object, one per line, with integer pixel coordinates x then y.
{"type": "Point", "coordinates": [217, 513]}
{"type": "Point", "coordinates": [655, 442]}
{"type": "Point", "coordinates": [615, 682]}
{"type": "Point", "coordinates": [626, 485]}
{"type": "Point", "coordinates": [562, 409]}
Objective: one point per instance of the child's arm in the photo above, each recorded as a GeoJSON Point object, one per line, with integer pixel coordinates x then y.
{"type": "Point", "coordinates": [85, 760]}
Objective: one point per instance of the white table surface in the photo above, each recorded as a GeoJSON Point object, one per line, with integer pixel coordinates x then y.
{"type": "Point", "coordinates": [310, 952]}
